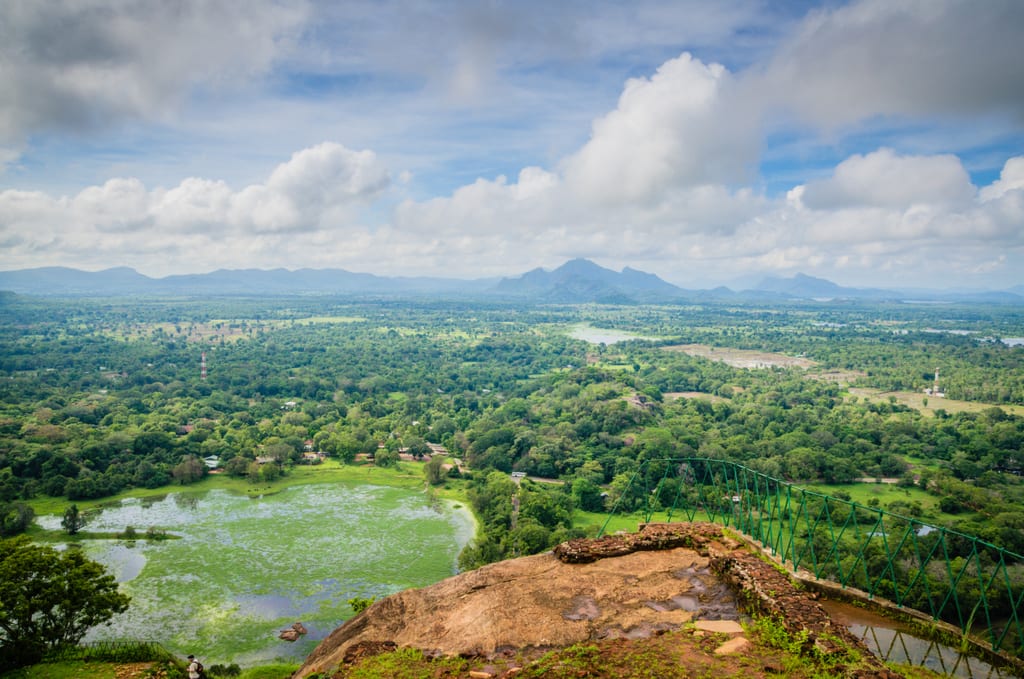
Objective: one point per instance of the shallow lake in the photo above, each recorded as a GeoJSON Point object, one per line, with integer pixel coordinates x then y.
{"type": "Point", "coordinates": [593, 335]}
{"type": "Point", "coordinates": [245, 569]}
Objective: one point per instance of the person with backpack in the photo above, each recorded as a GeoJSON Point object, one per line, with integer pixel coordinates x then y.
{"type": "Point", "coordinates": [195, 668]}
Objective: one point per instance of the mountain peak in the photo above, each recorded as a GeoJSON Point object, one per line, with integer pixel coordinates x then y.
{"type": "Point", "coordinates": [581, 280]}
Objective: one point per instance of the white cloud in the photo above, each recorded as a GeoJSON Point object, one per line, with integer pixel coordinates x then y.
{"type": "Point", "coordinates": [1010, 179]}
{"type": "Point", "coordinates": [329, 174]}
{"type": "Point", "coordinates": [86, 64]}
{"type": "Point", "coordinates": [675, 129]}
{"type": "Point", "coordinates": [884, 178]}
{"type": "Point", "coordinates": [316, 190]}
{"type": "Point", "coordinates": [195, 204]}
{"type": "Point", "coordinates": [914, 220]}
{"type": "Point", "coordinates": [666, 181]}
{"type": "Point", "coordinates": [117, 206]}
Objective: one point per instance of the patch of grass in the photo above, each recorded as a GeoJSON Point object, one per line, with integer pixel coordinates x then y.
{"type": "Point", "coordinates": [405, 663]}
{"type": "Point", "coordinates": [580, 660]}
{"type": "Point", "coordinates": [269, 672]}
{"type": "Point", "coordinates": [915, 400]}
{"type": "Point", "coordinates": [801, 656]}
{"type": "Point", "coordinates": [885, 493]}
{"type": "Point", "coordinates": [72, 669]}
{"type": "Point", "coordinates": [593, 521]}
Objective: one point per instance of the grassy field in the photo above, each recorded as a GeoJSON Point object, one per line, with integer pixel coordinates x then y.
{"type": "Point", "coordinates": [885, 494]}
{"type": "Point", "coordinates": [676, 395]}
{"type": "Point", "coordinates": [916, 400]}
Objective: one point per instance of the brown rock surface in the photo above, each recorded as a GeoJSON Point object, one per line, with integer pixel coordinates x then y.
{"type": "Point", "coordinates": [623, 587]}
{"type": "Point", "coordinates": [734, 645]}
{"type": "Point", "coordinates": [719, 626]}
{"type": "Point", "coordinates": [531, 602]}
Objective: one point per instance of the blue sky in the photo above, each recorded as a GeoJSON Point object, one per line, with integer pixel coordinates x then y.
{"type": "Point", "coordinates": [878, 142]}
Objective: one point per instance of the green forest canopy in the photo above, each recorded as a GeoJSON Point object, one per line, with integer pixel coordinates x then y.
{"type": "Point", "coordinates": [99, 396]}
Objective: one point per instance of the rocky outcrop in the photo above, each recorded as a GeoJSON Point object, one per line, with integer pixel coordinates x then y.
{"type": "Point", "coordinates": [764, 587]}
{"type": "Point", "coordinates": [624, 586]}
{"type": "Point", "coordinates": [650, 537]}
{"type": "Point", "coordinates": [533, 602]}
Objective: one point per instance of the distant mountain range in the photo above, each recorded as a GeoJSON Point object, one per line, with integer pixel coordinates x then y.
{"type": "Point", "coordinates": [580, 280]}
{"type": "Point", "coordinates": [124, 281]}
{"type": "Point", "coordinates": [576, 281]}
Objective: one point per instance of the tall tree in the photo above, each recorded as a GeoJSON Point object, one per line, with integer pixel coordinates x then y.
{"type": "Point", "coordinates": [50, 599]}
{"type": "Point", "coordinates": [73, 520]}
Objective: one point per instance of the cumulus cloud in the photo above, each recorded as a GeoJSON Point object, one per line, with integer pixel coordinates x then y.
{"type": "Point", "coordinates": [676, 128]}
{"type": "Point", "coordinates": [318, 189]}
{"type": "Point", "coordinates": [900, 57]}
{"type": "Point", "coordinates": [666, 181]}
{"type": "Point", "coordinates": [84, 64]}
{"type": "Point", "coordinates": [1010, 179]}
{"type": "Point", "coordinates": [884, 178]}
{"type": "Point", "coordinates": [875, 217]}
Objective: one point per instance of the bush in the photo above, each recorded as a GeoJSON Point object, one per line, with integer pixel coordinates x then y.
{"type": "Point", "coordinates": [360, 604]}
{"type": "Point", "coordinates": [232, 670]}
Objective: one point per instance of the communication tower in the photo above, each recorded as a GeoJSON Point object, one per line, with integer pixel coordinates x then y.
{"type": "Point", "coordinates": [202, 367]}
{"type": "Point", "coordinates": [934, 390]}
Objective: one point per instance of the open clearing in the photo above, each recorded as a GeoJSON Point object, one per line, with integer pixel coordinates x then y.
{"type": "Point", "coordinates": [676, 395]}
{"type": "Point", "coordinates": [915, 400]}
{"type": "Point", "coordinates": [743, 358]}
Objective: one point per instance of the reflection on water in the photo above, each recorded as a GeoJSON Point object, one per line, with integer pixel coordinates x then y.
{"type": "Point", "coordinates": [888, 640]}
{"type": "Point", "coordinates": [901, 647]}
{"type": "Point", "coordinates": [125, 562]}
{"type": "Point", "coordinates": [187, 501]}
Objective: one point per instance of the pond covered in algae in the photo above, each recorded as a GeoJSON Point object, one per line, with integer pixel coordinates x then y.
{"type": "Point", "coordinates": [247, 568]}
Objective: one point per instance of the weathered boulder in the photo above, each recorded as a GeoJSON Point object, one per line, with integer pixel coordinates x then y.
{"type": "Point", "coordinates": [532, 602]}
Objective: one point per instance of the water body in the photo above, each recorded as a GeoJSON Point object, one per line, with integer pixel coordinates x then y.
{"type": "Point", "coordinates": [245, 569]}
{"type": "Point", "coordinates": [593, 335]}
{"type": "Point", "coordinates": [892, 642]}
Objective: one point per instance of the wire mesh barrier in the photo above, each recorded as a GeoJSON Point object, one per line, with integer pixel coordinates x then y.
{"type": "Point", "coordinates": [111, 651]}
{"type": "Point", "coordinates": [947, 575]}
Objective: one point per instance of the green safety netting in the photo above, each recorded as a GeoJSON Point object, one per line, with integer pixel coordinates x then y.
{"type": "Point", "coordinates": [950, 576]}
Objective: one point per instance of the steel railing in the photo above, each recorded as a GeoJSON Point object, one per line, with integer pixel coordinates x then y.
{"type": "Point", "coordinates": [947, 575]}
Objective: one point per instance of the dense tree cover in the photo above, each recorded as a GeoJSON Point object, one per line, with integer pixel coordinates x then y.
{"type": "Point", "coordinates": [49, 598]}
{"type": "Point", "coordinates": [100, 396]}
{"type": "Point", "coordinates": [543, 519]}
